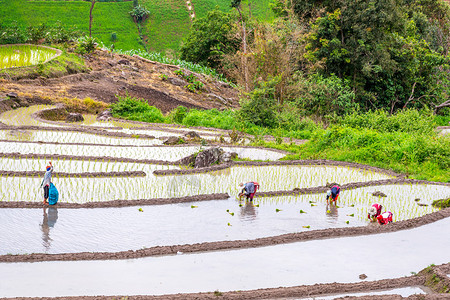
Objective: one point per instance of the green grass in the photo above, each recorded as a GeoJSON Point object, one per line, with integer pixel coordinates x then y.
{"type": "Point", "coordinates": [259, 8]}
{"type": "Point", "coordinates": [108, 18]}
{"type": "Point", "coordinates": [167, 24]}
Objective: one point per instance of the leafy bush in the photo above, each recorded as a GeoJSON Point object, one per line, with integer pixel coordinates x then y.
{"type": "Point", "coordinates": [177, 115]}
{"type": "Point", "coordinates": [86, 45]}
{"type": "Point", "coordinates": [322, 95]}
{"type": "Point", "coordinates": [261, 107]}
{"type": "Point", "coordinates": [136, 109]}
{"type": "Point", "coordinates": [410, 120]}
{"type": "Point", "coordinates": [139, 13]}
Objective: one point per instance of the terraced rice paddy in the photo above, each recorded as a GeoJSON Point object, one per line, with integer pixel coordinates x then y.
{"type": "Point", "coordinates": [81, 190]}
{"type": "Point", "coordinates": [301, 263]}
{"type": "Point", "coordinates": [12, 56]}
{"type": "Point", "coordinates": [277, 241]}
{"type": "Point", "coordinates": [72, 136]}
{"type": "Point", "coordinates": [121, 229]}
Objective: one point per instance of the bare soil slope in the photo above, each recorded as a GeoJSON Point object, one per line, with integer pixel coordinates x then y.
{"type": "Point", "coordinates": [112, 74]}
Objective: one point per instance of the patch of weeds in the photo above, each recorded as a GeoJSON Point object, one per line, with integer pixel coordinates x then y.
{"type": "Point", "coordinates": [217, 293]}
{"type": "Point", "coordinates": [163, 77]}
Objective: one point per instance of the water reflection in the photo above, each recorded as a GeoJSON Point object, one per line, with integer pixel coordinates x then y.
{"type": "Point", "coordinates": [248, 211]}
{"type": "Point", "coordinates": [20, 135]}
{"type": "Point", "coordinates": [332, 212]}
{"type": "Point", "coordinates": [48, 222]}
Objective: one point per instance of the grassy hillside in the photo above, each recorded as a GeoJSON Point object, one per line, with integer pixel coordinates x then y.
{"type": "Point", "coordinates": [108, 18]}
{"type": "Point", "coordinates": [259, 8]}
{"type": "Point", "coordinates": [167, 25]}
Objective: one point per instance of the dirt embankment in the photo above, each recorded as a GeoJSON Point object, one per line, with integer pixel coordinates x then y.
{"type": "Point", "coordinates": [303, 291]}
{"type": "Point", "coordinates": [118, 203]}
{"type": "Point", "coordinates": [239, 244]}
{"type": "Point", "coordinates": [312, 163]}
{"type": "Point", "coordinates": [112, 74]}
{"type": "Point", "coordinates": [76, 175]}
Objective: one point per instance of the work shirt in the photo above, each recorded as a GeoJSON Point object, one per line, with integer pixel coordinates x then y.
{"type": "Point", "coordinates": [48, 177]}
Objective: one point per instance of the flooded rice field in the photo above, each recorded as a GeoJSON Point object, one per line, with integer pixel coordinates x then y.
{"type": "Point", "coordinates": [82, 190]}
{"type": "Point", "coordinates": [72, 137]}
{"type": "Point", "coordinates": [157, 153]}
{"type": "Point", "coordinates": [301, 263]}
{"type": "Point", "coordinates": [22, 116]}
{"type": "Point", "coordinates": [124, 228]}
{"type": "Point", "coordinates": [12, 56]}
{"type": "Point", "coordinates": [199, 222]}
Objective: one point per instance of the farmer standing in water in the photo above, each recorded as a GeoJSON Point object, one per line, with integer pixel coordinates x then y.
{"type": "Point", "coordinates": [249, 189]}
{"type": "Point", "coordinates": [333, 193]}
{"type": "Point", "coordinates": [47, 180]}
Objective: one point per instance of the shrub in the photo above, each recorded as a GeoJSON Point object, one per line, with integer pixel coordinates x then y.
{"type": "Point", "coordinates": [86, 45]}
{"type": "Point", "coordinates": [136, 109]}
{"type": "Point", "coordinates": [139, 13]}
{"type": "Point", "coordinates": [178, 114]}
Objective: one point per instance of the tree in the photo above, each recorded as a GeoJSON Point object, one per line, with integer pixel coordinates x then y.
{"type": "Point", "coordinates": [90, 17]}
{"type": "Point", "coordinates": [378, 49]}
{"type": "Point", "coordinates": [209, 39]}
{"type": "Point", "coordinates": [237, 5]}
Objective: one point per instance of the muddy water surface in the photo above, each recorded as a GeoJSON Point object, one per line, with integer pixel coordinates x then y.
{"type": "Point", "coordinates": [22, 116]}
{"type": "Point", "coordinates": [325, 261]}
{"type": "Point", "coordinates": [120, 229]}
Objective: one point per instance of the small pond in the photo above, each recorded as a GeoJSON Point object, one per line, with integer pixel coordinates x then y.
{"type": "Point", "coordinates": [12, 56]}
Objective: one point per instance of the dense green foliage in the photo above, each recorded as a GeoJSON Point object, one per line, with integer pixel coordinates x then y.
{"type": "Point", "coordinates": [405, 142]}
{"type": "Point", "coordinates": [210, 39]}
{"type": "Point", "coordinates": [421, 156]}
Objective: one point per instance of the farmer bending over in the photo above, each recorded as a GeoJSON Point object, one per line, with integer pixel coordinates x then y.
{"type": "Point", "coordinates": [47, 180]}
{"type": "Point", "coordinates": [385, 218]}
{"type": "Point", "coordinates": [333, 193]}
{"type": "Point", "coordinates": [249, 190]}
{"type": "Point", "coordinates": [374, 212]}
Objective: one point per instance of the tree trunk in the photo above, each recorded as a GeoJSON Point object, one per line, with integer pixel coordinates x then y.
{"type": "Point", "coordinates": [244, 46]}
{"type": "Point", "coordinates": [90, 18]}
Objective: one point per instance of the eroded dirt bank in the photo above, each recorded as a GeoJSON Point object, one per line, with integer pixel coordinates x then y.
{"type": "Point", "coordinates": [312, 163]}
{"type": "Point", "coordinates": [117, 203]}
{"type": "Point", "coordinates": [78, 175]}
{"type": "Point", "coordinates": [315, 290]}
{"type": "Point", "coordinates": [228, 245]}
{"type": "Point", "coordinates": [112, 74]}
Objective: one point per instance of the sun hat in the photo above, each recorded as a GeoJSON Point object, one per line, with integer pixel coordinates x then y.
{"type": "Point", "coordinates": [48, 168]}
{"type": "Point", "coordinates": [372, 211]}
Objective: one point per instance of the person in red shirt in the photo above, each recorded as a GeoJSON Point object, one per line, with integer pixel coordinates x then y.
{"type": "Point", "coordinates": [374, 212]}
{"type": "Point", "coordinates": [249, 189]}
{"type": "Point", "coordinates": [385, 218]}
